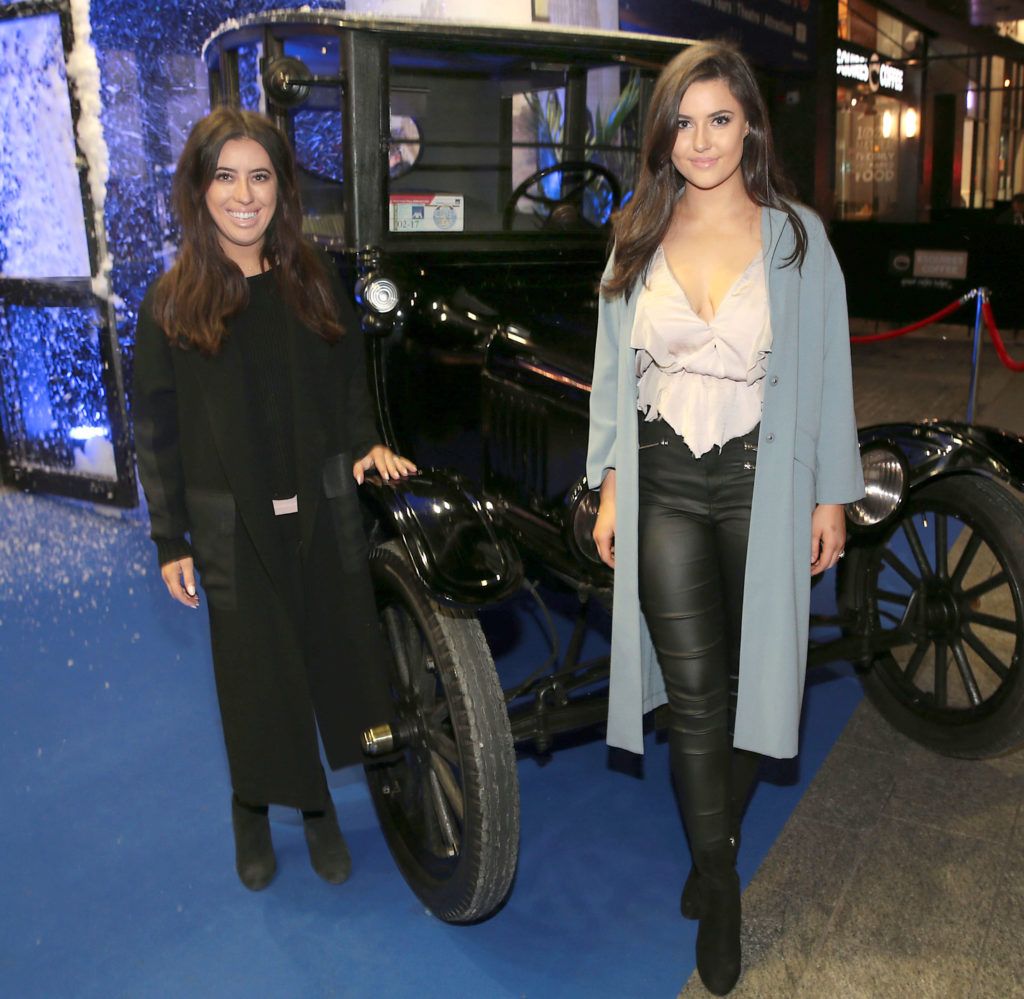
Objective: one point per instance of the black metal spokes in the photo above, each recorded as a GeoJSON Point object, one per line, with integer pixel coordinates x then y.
{"type": "Point", "coordinates": [425, 783]}
{"type": "Point", "coordinates": [940, 579]}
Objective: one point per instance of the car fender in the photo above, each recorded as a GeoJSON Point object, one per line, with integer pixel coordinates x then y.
{"type": "Point", "coordinates": [936, 448]}
{"type": "Point", "coordinates": [447, 533]}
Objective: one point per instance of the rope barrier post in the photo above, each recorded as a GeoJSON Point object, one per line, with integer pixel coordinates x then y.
{"type": "Point", "coordinates": [972, 393]}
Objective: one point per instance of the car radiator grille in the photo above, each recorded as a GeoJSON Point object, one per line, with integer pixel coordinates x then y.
{"type": "Point", "coordinates": [516, 448]}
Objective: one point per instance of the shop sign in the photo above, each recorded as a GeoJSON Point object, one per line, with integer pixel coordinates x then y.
{"type": "Point", "coordinates": [871, 70]}
{"type": "Point", "coordinates": [935, 269]}
{"type": "Point", "coordinates": [940, 264]}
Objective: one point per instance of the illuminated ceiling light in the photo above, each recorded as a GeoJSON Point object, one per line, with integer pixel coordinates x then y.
{"type": "Point", "coordinates": [853, 103]}
{"type": "Point", "coordinates": [910, 123]}
{"type": "Point", "coordinates": [1006, 83]}
{"type": "Point", "coordinates": [887, 125]}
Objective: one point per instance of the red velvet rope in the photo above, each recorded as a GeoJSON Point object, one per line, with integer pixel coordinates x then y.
{"type": "Point", "coordinates": [986, 311]}
{"type": "Point", "coordinates": [890, 334]}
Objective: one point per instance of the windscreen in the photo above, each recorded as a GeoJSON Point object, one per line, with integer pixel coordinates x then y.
{"type": "Point", "coordinates": [490, 143]}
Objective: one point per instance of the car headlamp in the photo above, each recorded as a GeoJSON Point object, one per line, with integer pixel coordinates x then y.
{"type": "Point", "coordinates": [583, 506]}
{"type": "Point", "coordinates": [885, 485]}
{"type": "Point", "coordinates": [380, 294]}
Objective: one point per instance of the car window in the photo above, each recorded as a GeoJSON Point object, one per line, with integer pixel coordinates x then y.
{"type": "Point", "coordinates": [316, 133]}
{"type": "Point", "coordinates": [505, 143]}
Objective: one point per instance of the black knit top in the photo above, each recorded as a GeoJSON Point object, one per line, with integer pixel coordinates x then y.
{"type": "Point", "coordinates": [261, 330]}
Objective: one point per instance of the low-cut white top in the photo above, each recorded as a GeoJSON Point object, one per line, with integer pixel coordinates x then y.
{"type": "Point", "coordinates": [705, 380]}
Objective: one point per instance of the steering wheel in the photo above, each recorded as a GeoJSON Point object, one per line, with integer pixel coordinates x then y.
{"type": "Point", "coordinates": [586, 173]}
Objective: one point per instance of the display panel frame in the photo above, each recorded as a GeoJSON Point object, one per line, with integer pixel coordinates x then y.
{"type": "Point", "coordinates": [59, 291]}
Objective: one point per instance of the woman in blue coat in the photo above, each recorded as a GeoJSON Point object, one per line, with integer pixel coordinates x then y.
{"type": "Point", "coordinates": [724, 443]}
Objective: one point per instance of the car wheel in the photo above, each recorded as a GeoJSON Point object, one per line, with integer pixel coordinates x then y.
{"type": "Point", "coordinates": [448, 796]}
{"type": "Point", "coordinates": [950, 571]}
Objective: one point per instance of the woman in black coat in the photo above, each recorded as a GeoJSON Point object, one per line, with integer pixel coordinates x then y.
{"type": "Point", "coordinates": [253, 425]}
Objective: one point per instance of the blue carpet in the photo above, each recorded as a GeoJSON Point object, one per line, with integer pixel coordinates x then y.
{"type": "Point", "coordinates": [116, 855]}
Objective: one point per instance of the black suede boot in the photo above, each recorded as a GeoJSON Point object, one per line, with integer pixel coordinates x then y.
{"type": "Point", "coordinates": [327, 850]}
{"type": "Point", "coordinates": [254, 851]}
{"type": "Point", "coordinates": [744, 774]}
{"type": "Point", "coordinates": [690, 902]}
{"type": "Point", "coordinates": [718, 935]}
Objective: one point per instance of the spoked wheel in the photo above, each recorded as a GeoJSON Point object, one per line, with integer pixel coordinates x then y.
{"type": "Point", "coordinates": [448, 797]}
{"type": "Point", "coordinates": [950, 573]}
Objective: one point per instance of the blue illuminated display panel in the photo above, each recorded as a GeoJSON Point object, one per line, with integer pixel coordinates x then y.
{"type": "Point", "coordinates": [61, 411]}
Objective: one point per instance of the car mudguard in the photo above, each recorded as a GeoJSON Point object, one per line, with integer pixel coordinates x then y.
{"type": "Point", "coordinates": [937, 448]}
{"type": "Point", "coordinates": [447, 533]}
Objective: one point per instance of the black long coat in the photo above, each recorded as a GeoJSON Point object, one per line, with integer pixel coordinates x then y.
{"type": "Point", "coordinates": [196, 421]}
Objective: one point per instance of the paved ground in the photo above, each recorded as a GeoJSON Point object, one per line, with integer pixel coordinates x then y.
{"type": "Point", "coordinates": [901, 873]}
{"type": "Point", "coordinates": [919, 376]}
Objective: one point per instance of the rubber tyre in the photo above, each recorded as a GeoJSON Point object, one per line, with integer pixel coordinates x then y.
{"type": "Point", "coordinates": [944, 612]}
{"type": "Point", "coordinates": [445, 687]}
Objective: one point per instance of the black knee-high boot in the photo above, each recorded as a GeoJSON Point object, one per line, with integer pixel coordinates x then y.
{"type": "Point", "coordinates": [745, 766]}
{"type": "Point", "coordinates": [702, 765]}
{"type": "Point", "coordinates": [718, 934]}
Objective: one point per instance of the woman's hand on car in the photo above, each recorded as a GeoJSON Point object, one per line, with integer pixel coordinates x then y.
{"type": "Point", "coordinates": [604, 528]}
{"type": "Point", "coordinates": [388, 464]}
{"type": "Point", "coordinates": [828, 536]}
{"type": "Point", "coordinates": [180, 579]}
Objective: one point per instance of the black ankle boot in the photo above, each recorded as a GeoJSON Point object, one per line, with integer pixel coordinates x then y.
{"type": "Point", "coordinates": [327, 850]}
{"type": "Point", "coordinates": [254, 852]}
{"type": "Point", "coordinates": [718, 936]}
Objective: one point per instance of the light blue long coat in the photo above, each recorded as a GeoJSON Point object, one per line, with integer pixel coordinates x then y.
{"type": "Point", "coordinates": [807, 454]}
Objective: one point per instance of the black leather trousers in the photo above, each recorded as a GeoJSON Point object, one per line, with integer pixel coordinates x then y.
{"type": "Point", "coordinates": [694, 521]}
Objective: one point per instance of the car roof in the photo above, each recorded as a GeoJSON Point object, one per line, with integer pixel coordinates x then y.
{"type": "Point", "coordinates": [567, 43]}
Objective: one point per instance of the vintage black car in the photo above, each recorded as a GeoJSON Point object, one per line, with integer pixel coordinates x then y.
{"type": "Point", "coordinates": [463, 178]}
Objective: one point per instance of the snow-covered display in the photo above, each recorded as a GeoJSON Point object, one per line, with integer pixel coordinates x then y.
{"type": "Point", "coordinates": [55, 405]}
{"type": "Point", "coordinates": [42, 232]}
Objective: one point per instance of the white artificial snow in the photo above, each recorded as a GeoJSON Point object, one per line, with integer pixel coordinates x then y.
{"type": "Point", "coordinates": [84, 74]}
{"type": "Point", "coordinates": [51, 546]}
{"type": "Point", "coordinates": [95, 458]}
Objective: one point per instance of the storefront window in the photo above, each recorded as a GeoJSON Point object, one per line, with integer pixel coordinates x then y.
{"type": "Point", "coordinates": [878, 115]}
{"type": "Point", "coordinates": [873, 136]}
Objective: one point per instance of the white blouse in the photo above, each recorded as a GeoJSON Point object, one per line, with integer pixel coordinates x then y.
{"type": "Point", "coordinates": [705, 380]}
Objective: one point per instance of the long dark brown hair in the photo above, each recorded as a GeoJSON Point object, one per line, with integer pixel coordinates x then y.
{"type": "Point", "coordinates": [641, 224]}
{"type": "Point", "coordinates": [204, 289]}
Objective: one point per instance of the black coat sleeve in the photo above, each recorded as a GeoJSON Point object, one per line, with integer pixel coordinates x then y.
{"type": "Point", "coordinates": [155, 409]}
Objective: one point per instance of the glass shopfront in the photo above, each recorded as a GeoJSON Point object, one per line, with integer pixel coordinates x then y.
{"type": "Point", "coordinates": [878, 115]}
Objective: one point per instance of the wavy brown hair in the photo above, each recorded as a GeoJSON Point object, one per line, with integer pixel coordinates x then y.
{"type": "Point", "coordinates": [204, 289]}
{"type": "Point", "coordinates": [640, 225]}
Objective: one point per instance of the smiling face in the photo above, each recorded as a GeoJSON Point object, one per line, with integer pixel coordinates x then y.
{"type": "Point", "coordinates": [241, 200]}
{"type": "Point", "coordinates": [709, 144]}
